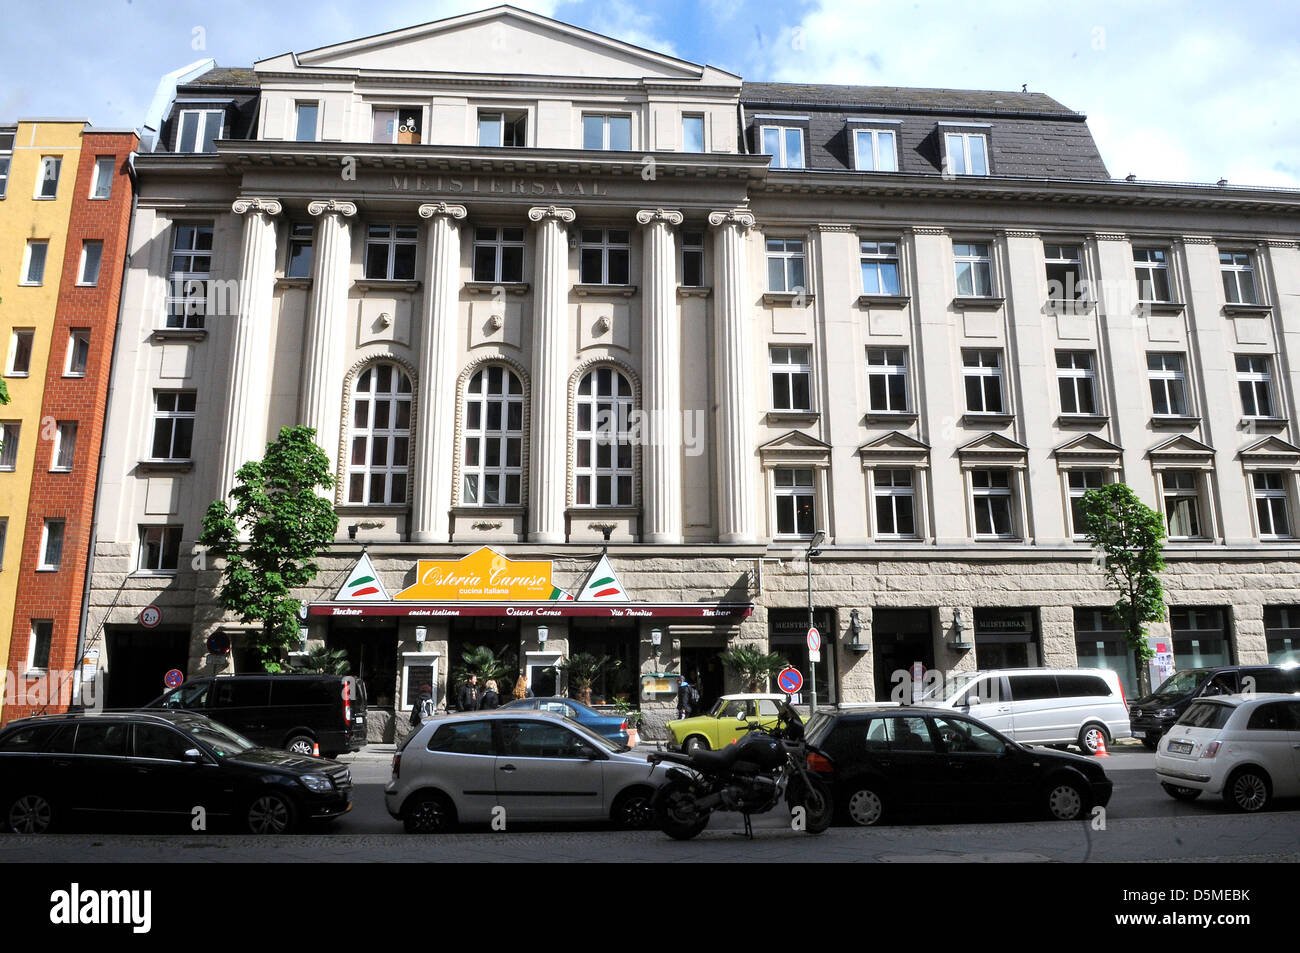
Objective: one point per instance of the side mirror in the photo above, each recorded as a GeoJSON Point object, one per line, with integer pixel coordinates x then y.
{"type": "Point", "coordinates": [193, 756]}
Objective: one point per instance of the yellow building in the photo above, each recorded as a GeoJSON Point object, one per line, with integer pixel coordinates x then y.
{"type": "Point", "coordinates": [38, 171]}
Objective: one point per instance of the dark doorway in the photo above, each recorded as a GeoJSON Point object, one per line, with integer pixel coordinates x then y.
{"type": "Point", "coordinates": [901, 638]}
{"type": "Point", "coordinates": [704, 670]}
{"type": "Point", "coordinates": [619, 640]}
{"type": "Point", "coordinates": [371, 645]}
{"type": "Point", "coordinates": [498, 633]}
{"type": "Point", "coordinates": [138, 660]}
{"type": "Point", "coordinates": [788, 637]}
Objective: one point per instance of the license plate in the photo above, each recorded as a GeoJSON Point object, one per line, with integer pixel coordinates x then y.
{"type": "Point", "coordinates": [1180, 747]}
{"type": "Point", "coordinates": [1139, 734]}
{"type": "Point", "coordinates": [359, 720]}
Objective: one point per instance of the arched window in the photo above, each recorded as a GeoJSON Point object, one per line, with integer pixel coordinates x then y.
{"type": "Point", "coordinates": [381, 435]}
{"type": "Point", "coordinates": [602, 466]}
{"type": "Point", "coordinates": [492, 463]}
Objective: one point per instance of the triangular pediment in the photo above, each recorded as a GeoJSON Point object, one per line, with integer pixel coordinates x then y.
{"type": "Point", "coordinates": [503, 41]}
{"type": "Point", "coordinates": [992, 443]}
{"type": "Point", "coordinates": [895, 442]}
{"type": "Point", "coordinates": [1089, 445]}
{"type": "Point", "coordinates": [1271, 449]}
{"type": "Point", "coordinates": [795, 440]}
{"type": "Point", "coordinates": [1181, 446]}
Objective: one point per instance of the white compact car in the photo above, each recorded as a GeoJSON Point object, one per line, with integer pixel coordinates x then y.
{"type": "Point", "coordinates": [517, 766]}
{"type": "Point", "coordinates": [1243, 747]}
{"type": "Point", "coordinates": [1042, 706]}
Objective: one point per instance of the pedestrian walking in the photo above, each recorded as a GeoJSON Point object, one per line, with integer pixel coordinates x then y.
{"type": "Point", "coordinates": [521, 689]}
{"type": "Point", "coordinates": [491, 698]}
{"type": "Point", "coordinates": [688, 699]}
{"type": "Point", "coordinates": [469, 697]}
{"type": "Point", "coordinates": [422, 710]}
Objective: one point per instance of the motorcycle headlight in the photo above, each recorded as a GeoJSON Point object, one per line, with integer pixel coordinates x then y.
{"type": "Point", "coordinates": [316, 782]}
{"type": "Point", "coordinates": [1165, 713]}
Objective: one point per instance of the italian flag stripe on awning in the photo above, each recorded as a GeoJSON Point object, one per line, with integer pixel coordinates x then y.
{"type": "Point", "coordinates": [603, 585]}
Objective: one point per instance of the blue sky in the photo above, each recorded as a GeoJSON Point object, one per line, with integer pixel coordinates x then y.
{"type": "Point", "coordinates": [1178, 91]}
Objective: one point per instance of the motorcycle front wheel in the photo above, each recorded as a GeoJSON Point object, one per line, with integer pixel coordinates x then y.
{"type": "Point", "coordinates": [676, 811]}
{"type": "Point", "coordinates": [816, 800]}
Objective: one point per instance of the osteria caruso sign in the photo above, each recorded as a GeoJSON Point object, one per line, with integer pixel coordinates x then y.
{"type": "Point", "coordinates": [482, 576]}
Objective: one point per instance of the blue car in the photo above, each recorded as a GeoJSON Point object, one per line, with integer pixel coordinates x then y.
{"type": "Point", "coordinates": [613, 727]}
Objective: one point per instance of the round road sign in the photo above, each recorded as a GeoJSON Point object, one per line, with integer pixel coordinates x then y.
{"type": "Point", "coordinates": [150, 616]}
{"type": "Point", "coordinates": [218, 643]}
{"type": "Point", "coordinates": [173, 678]}
{"type": "Point", "coordinates": [790, 680]}
{"type": "Point", "coordinates": [814, 639]}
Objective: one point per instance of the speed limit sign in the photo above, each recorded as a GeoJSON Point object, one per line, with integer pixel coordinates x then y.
{"type": "Point", "coordinates": [150, 616]}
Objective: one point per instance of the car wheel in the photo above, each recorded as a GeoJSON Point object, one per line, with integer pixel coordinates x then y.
{"type": "Point", "coordinates": [634, 810]}
{"type": "Point", "coordinates": [428, 813]}
{"type": "Point", "coordinates": [30, 814]}
{"type": "Point", "coordinates": [1179, 793]}
{"type": "Point", "coordinates": [271, 813]}
{"type": "Point", "coordinates": [677, 813]}
{"type": "Point", "coordinates": [1151, 744]}
{"type": "Point", "coordinates": [695, 743]}
{"type": "Point", "coordinates": [300, 744]}
{"type": "Point", "coordinates": [1092, 737]}
{"type": "Point", "coordinates": [866, 807]}
{"type": "Point", "coordinates": [1248, 790]}
{"type": "Point", "coordinates": [1066, 801]}
{"type": "Point", "coordinates": [818, 805]}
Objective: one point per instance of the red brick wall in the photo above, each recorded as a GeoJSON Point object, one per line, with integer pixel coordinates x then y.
{"type": "Point", "coordinates": [71, 495]}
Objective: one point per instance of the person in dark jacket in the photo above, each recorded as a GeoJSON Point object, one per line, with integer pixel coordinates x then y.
{"type": "Point", "coordinates": [491, 697]}
{"type": "Point", "coordinates": [687, 699]}
{"type": "Point", "coordinates": [423, 706]}
{"type": "Point", "coordinates": [469, 698]}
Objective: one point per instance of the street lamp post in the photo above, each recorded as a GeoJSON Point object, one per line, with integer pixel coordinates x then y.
{"type": "Point", "coordinates": [816, 541]}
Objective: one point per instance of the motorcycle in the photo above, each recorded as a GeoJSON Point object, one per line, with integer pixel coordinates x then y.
{"type": "Point", "coordinates": [751, 776]}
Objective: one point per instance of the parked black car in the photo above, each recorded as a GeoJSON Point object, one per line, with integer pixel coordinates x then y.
{"type": "Point", "coordinates": [293, 712]}
{"type": "Point", "coordinates": [61, 771]}
{"type": "Point", "coordinates": [1152, 716]}
{"type": "Point", "coordinates": [891, 762]}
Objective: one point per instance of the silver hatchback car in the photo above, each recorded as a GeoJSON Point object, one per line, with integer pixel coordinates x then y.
{"type": "Point", "coordinates": [506, 767]}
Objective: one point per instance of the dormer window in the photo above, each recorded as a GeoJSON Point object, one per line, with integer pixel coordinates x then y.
{"type": "Point", "coordinates": [874, 150]}
{"type": "Point", "coordinates": [503, 129]}
{"type": "Point", "coordinates": [784, 144]}
{"type": "Point", "coordinates": [966, 153]}
{"type": "Point", "coordinates": [199, 129]}
{"type": "Point", "coordinates": [399, 124]}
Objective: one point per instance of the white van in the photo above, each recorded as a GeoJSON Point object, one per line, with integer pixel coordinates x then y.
{"type": "Point", "coordinates": [1041, 706]}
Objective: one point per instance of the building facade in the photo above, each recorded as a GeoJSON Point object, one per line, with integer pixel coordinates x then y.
{"type": "Point", "coordinates": [599, 342]}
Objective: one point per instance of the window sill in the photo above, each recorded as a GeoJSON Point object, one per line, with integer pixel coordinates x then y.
{"type": "Point", "coordinates": [287, 282]}
{"type": "Point", "coordinates": [793, 418]}
{"type": "Point", "coordinates": [1254, 423]}
{"type": "Point", "coordinates": [788, 299]}
{"type": "Point", "coordinates": [36, 673]}
{"type": "Point", "coordinates": [74, 377]}
{"type": "Point", "coordinates": [618, 291]}
{"type": "Point", "coordinates": [490, 287]}
{"type": "Point", "coordinates": [86, 284]}
{"type": "Point", "coordinates": [1158, 422]}
{"type": "Point", "coordinates": [1231, 309]}
{"type": "Point", "coordinates": [998, 539]}
{"type": "Point", "coordinates": [47, 568]}
{"type": "Point", "coordinates": [1066, 306]}
{"type": "Point", "coordinates": [475, 509]}
{"type": "Point", "coordinates": [180, 334]}
{"type": "Point", "coordinates": [883, 301]}
{"type": "Point", "coordinates": [385, 284]}
{"type": "Point", "coordinates": [31, 284]}
{"type": "Point", "coordinates": [360, 509]}
{"type": "Point", "coordinates": [17, 374]}
{"type": "Point", "coordinates": [977, 303]}
{"type": "Point", "coordinates": [694, 291]}
{"type": "Point", "coordinates": [153, 573]}
{"type": "Point", "coordinates": [165, 466]}
{"type": "Point", "coordinates": [579, 511]}
{"type": "Point", "coordinates": [981, 419]}
{"type": "Point", "coordinates": [890, 416]}
{"type": "Point", "coordinates": [60, 470]}
{"type": "Point", "coordinates": [1086, 420]}
{"type": "Point", "coordinates": [1160, 307]}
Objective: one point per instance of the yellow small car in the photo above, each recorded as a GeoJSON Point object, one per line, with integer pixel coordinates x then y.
{"type": "Point", "coordinates": [727, 721]}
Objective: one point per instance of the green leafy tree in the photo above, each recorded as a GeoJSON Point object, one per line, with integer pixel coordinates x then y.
{"type": "Point", "coordinates": [325, 661]}
{"type": "Point", "coordinates": [285, 526]}
{"type": "Point", "coordinates": [583, 669]}
{"type": "Point", "coordinates": [482, 661]}
{"type": "Point", "coordinates": [1129, 537]}
{"type": "Point", "coordinates": [753, 667]}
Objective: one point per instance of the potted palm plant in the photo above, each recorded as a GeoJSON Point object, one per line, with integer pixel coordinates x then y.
{"type": "Point", "coordinates": [753, 667]}
{"type": "Point", "coordinates": [582, 670]}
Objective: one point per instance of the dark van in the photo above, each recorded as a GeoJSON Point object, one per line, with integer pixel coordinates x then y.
{"type": "Point", "coordinates": [1152, 716]}
{"type": "Point", "coordinates": [293, 712]}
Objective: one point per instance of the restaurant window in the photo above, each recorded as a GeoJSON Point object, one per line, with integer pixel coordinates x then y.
{"type": "Point", "coordinates": [1200, 638]}
{"type": "Point", "coordinates": [1282, 632]}
{"type": "Point", "coordinates": [1006, 638]}
{"type": "Point", "coordinates": [620, 640]}
{"type": "Point", "coordinates": [1101, 642]}
{"type": "Point", "coordinates": [787, 636]}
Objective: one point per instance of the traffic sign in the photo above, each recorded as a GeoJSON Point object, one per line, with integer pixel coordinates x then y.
{"type": "Point", "coordinates": [150, 616]}
{"type": "Point", "coordinates": [218, 643]}
{"type": "Point", "coordinates": [174, 678]}
{"type": "Point", "coordinates": [814, 655]}
{"type": "Point", "coordinates": [790, 680]}
{"type": "Point", "coordinates": [814, 639]}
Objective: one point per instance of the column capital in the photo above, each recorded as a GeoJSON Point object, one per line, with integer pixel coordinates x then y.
{"type": "Point", "coordinates": [254, 204]}
{"type": "Point", "coordinates": [648, 216]}
{"type": "Point", "coordinates": [433, 209]}
{"type": "Point", "coordinates": [322, 206]}
{"type": "Point", "coordinates": [732, 216]}
{"type": "Point", "coordinates": [540, 212]}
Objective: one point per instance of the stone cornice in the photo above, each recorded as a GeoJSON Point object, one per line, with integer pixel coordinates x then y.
{"type": "Point", "coordinates": [928, 230]}
{"type": "Point", "coordinates": [1110, 237]}
{"type": "Point", "coordinates": [322, 206]}
{"type": "Point", "coordinates": [734, 216]}
{"type": "Point", "coordinates": [648, 216]}
{"type": "Point", "coordinates": [1020, 233]}
{"type": "Point", "coordinates": [541, 212]}
{"type": "Point", "coordinates": [1197, 239]}
{"type": "Point", "coordinates": [267, 206]}
{"type": "Point", "coordinates": [433, 209]}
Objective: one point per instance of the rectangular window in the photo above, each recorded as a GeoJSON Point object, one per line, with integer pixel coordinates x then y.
{"type": "Point", "coordinates": [1255, 382]}
{"type": "Point", "coordinates": [78, 352]}
{"type": "Point", "coordinates": [609, 133]}
{"type": "Point", "coordinates": [1151, 265]}
{"type": "Point", "coordinates": [791, 378]}
{"type": "Point", "coordinates": [4, 533]}
{"type": "Point", "coordinates": [785, 265]}
{"type": "Point", "coordinates": [966, 153]}
{"type": "Point", "coordinates": [1168, 385]}
{"type": "Point", "coordinates": [874, 150]}
{"type": "Point", "coordinates": [1271, 505]}
{"type": "Point", "coordinates": [887, 380]}
{"type": "Point", "coordinates": [199, 130]}
{"type": "Point", "coordinates": [20, 352]}
{"type": "Point", "coordinates": [503, 129]}
{"type": "Point", "coordinates": [1064, 272]}
{"type": "Point", "coordinates": [974, 268]}
{"type": "Point", "coordinates": [47, 185]}
{"type": "Point", "coordinates": [9, 433]}
{"type": "Point", "coordinates": [692, 258]}
{"type": "Point", "coordinates": [308, 114]}
{"type": "Point", "coordinates": [173, 425]}
{"type": "Point", "coordinates": [300, 250]}
{"type": "Point", "coordinates": [159, 548]}
{"type": "Point", "coordinates": [992, 499]}
{"type": "Point", "coordinates": [34, 266]}
{"type": "Point", "coordinates": [795, 502]}
{"type": "Point", "coordinates": [895, 500]}
{"type": "Point", "coordinates": [982, 371]}
{"type": "Point", "coordinates": [784, 144]}
{"type": "Point", "coordinates": [1182, 494]}
{"type": "Point", "coordinates": [396, 124]}
{"type": "Point", "coordinates": [390, 252]}
{"type": "Point", "coordinates": [879, 262]}
{"type": "Point", "coordinates": [1076, 379]}
{"type": "Point", "coordinates": [1282, 632]}
{"type": "Point", "coordinates": [499, 254]}
{"type": "Point", "coordinates": [1081, 481]}
{"type": "Point", "coordinates": [91, 255]}
{"type": "Point", "coordinates": [65, 445]}
{"type": "Point", "coordinates": [52, 544]}
{"type": "Point", "coordinates": [1238, 268]}
{"type": "Point", "coordinates": [191, 267]}
{"type": "Point", "coordinates": [603, 256]}
{"type": "Point", "coordinates": [101, 186]}
{"type": "Point", "coordinates": [38, 656]}
{"type": "Point", "coordinates": [6, 155]}
{"type": "Point", "coordinates": [692, 133]}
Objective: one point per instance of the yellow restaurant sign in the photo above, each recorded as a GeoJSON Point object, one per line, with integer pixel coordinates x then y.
{"type": "Point", "coordinates": [482, 575]}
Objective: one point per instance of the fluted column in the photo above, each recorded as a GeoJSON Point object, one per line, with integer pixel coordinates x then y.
{"type": "Point", "coordinates": [735, 394]}
{"type": "Point", "coordinates": [250, 355]}
{"type": "Point", "coordinates": [661, 458]}
{"type": "Point", "coordinates": [323, 347]}
{"type": "Point", "coordinates": [550, 424]}
{"type": "Point", "coordinates": [435, 423]}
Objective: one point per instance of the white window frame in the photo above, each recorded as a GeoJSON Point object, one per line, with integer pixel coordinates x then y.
{"type": "Point", "coordinates": [498, 243]}
{"type": "Point", "coordinates": [6, 158]}
{"type": "Point", "coordinates": [392, 241]}
{"type": "Point", "coordinates": [41, 178]}
{"type": "Point", "coordinates": [171, 416]}
{"type": "Point", "coordinates": [874, 152]}
{"type": "Point", "coordinates": [506, 118]}
{"type": "Point", "coordinates": [612, 429]}
{"type": "Point", "coordinates": [981, 265]}
{"type": "Point", "coordinates": [31, 647]}
{"type": "Point", "coordinates": [784, 366]}
{"type": "Point", "coordinates": [105, 172]}
{"type": "Point", "coordinates": [84, 281]}
{"type": "Point", "coordinates": [1271, 496]}
{"type": "Point", "coordinates": [894, 491]}
{"type": "Point", "coordinates": [397, 126]}
{"type": "Point", "coordinates": [161, 532]}
{"type": "Point", "coordinates": [606, 245]}
{"type": "Point", "coordinates": [412, 660]}
{"type": "Point", "coordinates": [605, 118]}
{"type": "Point", "coordinates": [987, 495]}
{"type": "Point", "coordinates": [873, 254]}
{"type": "Point", "coordinates": [950, 166]}
{"type": "Point", "coordinates": [1257, 381]}
{"type": "Point", "coordinates": [983, 371]}
{"type": "Point", "coordinates": [11, 432]}
{"type": "Point", "coordinates": [298, 107]}
{"type": "Point", "coordinates": [1070, 259]}
{"type": "Point", "coordinates": [201, 131]}
{"type": "Point", "coordinates": [1073, 493]}
{"type": "Point", "coordinates": [509, 399]}
{"type": "Point", "coordinates": [4, 536]}
{"type": "Point", "coordinates": [301, 235]}
{"type": "Point", "coordinates": [787, 251]}
{"type": "Point", "coordinates": [27, 262]}
{"type": "Point", "coordinates": [1152, 266]}
{"type": "Point", "coordinates": [693, 245]}
{"type": "Point", "coordinates": [1166, 376]}
{"type": "Point", "coordinates": [65, 444]}
{"type": "Point", "coordinates": [695, 117]}
{"type": "Point", "coordinates": [889, 370]}
{"type": "Point", "coordinates": [15, 338]}
{"type": "Point", "coordinates": [395, 463]}
{"type": "Point", "coordinates": [76, 335]}
{"type": "Point", "coordinates": [782, 161]}
{"type": "Point", "coordinates": [183, 309]}
{"type": "Point", "coordinates": [1239, 267]}
{"type": "Point", "coordinates": [794, 490]}
{"type": "Point", "coordinates": [45, 565]}
{"type": "Point", "coordinates": [1076, 377]}
{"type": "Point", "coordinates": [1196, 494]}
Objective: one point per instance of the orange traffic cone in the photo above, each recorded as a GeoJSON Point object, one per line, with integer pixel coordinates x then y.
{"type": "Point", "coordinates": [1101, 748]}
{"type": "Point", "coordinates": [315, 749]}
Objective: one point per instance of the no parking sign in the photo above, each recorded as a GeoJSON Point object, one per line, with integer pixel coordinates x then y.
{"type": "Point", "coordinates": [174, 678]}
{"type": "Point", "coordinates": [790, 680]}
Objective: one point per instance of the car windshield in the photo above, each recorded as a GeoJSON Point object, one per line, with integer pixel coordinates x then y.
{"type": "Point", "coordinates": [1181, 683]}
{"type": "Point", "coordinates": [957, 683]}
{"type": "Point", "coordinates": [219, 738]}
{"type": "Point", "coordinates": [716, 710]}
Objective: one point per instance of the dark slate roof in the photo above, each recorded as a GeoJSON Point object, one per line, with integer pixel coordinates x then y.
{"type": "Point", "coordinates": [1029, 134]}
{"type": "Point", "coordinates": [226, 76]}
